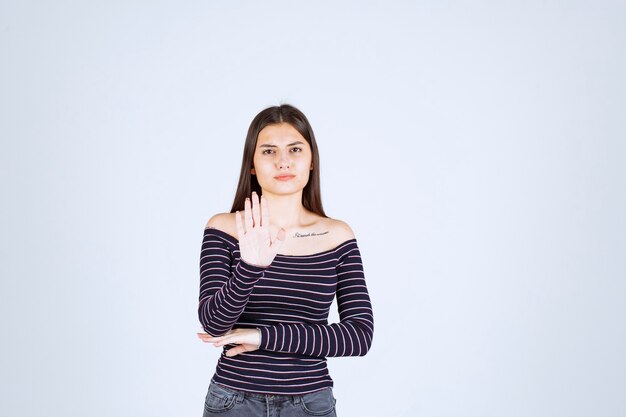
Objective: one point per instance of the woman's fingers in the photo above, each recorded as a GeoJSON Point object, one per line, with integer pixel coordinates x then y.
{"type": "Point", "coordinates": [256, 211]}
{"type": "Point", "coordinates": [265, 221]}
{"type": "Point", "coordinates": [239, 349]}
{"type": "Point", "coordinates": [237, 336]}
{"type": "Point", "coordinates": [226, 339]}
{"type": "Point", "coordinates": [208, 337]}
{"type": "Point", "coordinates": [239, 224]}
{"type": "Point", "coordinates": [246, 340]}
{"type": "Point", "coordinates": [235, 351]}
{"type": "Point", "coordinates": [278, 240]}
{"type": "Point", "coordinates": [265, 212]}
{"type": "Point", "coordinates": [256, 243]}
{"type": "Point", "coordinates": [248, 215]}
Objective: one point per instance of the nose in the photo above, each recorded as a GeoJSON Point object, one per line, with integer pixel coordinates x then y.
{"type": "Point", "coordinates": [284, 161]}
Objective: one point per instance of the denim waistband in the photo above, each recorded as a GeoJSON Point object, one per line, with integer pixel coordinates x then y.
{"type": "Point", "coordinates": [241, 395]}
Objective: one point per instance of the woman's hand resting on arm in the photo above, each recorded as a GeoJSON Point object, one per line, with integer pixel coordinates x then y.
{"type": "Point", "coordinates": [246, 339]}
{"type": "Point", "coordinates": [256, 247]}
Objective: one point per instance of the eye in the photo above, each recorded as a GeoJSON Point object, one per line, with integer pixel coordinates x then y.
{"type": "Point", "coordinates": [265, 152]}
{"type": "Point", "coordinates": [299, 149]}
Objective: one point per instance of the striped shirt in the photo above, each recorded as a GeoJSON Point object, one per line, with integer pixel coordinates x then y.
{"type": "Point", "coordinates": [289, 301]}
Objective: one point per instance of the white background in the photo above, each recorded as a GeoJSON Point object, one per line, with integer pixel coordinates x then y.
{"type": "Point", "coordinates": [477, 149]}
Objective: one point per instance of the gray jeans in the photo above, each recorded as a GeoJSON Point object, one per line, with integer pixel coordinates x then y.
{"type": "Point", "coordinates": [226, 402]}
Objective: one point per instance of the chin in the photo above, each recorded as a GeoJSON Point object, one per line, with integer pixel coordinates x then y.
{"type": "Point", "coordinates": [284, 192]}
{"type": "Point", "coordinates": [292, 189]}
{"type": "Point", "coordinates": [288, 187]}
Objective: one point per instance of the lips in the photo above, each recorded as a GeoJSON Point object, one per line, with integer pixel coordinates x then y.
{"type": "Point", "coordinates": [284, 177]}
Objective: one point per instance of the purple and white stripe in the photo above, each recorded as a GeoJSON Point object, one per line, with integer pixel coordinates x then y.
{"type": "Point", "coordinates": [289, 301]}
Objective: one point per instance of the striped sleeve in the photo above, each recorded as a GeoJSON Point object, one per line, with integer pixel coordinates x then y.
{"type": "Point", "coordinates": [223, 295]}
{"type": "Point", "coordinates": [352, 336]}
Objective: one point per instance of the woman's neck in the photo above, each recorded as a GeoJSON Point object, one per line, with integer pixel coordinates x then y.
{"type": "Point", "coordinates": [286, 210]}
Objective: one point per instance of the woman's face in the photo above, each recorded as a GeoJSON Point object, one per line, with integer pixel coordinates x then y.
{"type": "Point", "coordinates": [282, 151]}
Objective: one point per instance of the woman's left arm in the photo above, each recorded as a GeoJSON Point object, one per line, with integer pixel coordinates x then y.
{"type": "Point", "coordinates": [352, 336]}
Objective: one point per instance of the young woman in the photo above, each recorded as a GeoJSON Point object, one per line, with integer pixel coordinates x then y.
{"type": "Point", "coordinates": [268, 277]}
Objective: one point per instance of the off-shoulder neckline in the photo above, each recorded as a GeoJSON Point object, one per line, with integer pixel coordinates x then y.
{"type": "Point", "coordinates": [232, 238]}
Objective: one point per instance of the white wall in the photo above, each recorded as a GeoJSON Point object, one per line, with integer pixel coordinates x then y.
{"type": "Point", "coordinates": [477, 149]}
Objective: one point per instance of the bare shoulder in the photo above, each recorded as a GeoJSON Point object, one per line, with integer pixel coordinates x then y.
{"type": "Point", "coordinates": [341, 230]}
{"type": "Point", "coordinates": [218, 221]}
{"type": "Point", "coordinates": [224, 222]}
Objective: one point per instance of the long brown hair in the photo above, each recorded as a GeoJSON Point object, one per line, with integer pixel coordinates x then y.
{"type": "Point", "coordinates": [285, 113]}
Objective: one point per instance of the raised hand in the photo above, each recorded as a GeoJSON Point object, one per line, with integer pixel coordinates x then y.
{"type": "Point", "coordinates": [256, 246]}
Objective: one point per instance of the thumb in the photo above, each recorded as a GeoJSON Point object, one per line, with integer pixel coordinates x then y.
{"type": "Point", "coordinates": [235, 351]}
{"type": "Point", "coordinates": [279, 239]}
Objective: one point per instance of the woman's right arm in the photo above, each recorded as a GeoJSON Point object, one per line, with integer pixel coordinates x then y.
{"type": "Point", "coordinates": [223, 295]}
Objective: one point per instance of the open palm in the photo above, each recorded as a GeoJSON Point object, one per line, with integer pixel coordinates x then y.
{"type": "Point", "coordinates": [256, 245]}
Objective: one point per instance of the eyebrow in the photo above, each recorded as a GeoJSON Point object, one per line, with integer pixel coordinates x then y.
{"type": "Point", "coordinates": [274, 146]}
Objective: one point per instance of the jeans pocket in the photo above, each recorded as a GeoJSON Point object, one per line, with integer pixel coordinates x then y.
{"type": "Point", "coordinates": [219, 399]}
{"type": "Point", "coordinates": [319, 403]}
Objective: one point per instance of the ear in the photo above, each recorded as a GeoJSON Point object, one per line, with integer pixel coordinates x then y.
{"type": "Point", "coordinates": [252, 171]}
